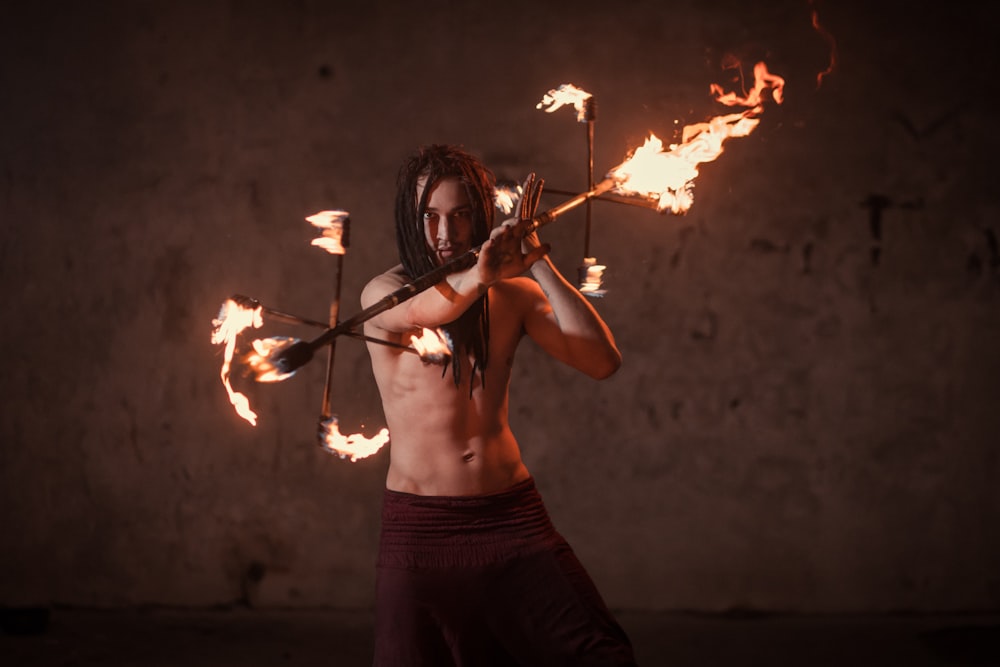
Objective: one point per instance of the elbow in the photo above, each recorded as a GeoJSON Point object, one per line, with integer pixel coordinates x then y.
{"type": "Point", "coordinates": [607, 366]}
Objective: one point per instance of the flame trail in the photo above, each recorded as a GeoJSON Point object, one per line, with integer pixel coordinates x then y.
{"type": "Point", "coordinates": [355, 446]}
{"type": "Point", "coordinates": [232, 319]}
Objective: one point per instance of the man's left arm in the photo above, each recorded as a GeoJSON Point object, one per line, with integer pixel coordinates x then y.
{"type": "Point", "coordinates": [557, 316]}
{"type": "Point", "coordinates": [564, 324]}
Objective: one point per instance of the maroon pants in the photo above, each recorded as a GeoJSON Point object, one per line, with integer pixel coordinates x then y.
{"type": "Point", "coordinates": [483, 581]}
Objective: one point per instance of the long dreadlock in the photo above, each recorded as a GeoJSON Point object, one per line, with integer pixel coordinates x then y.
{"type": "Point", "coordinates": [471, 331]}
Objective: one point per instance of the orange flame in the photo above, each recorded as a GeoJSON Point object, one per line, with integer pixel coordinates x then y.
{"type": "Point", "coordinates": [354, 446]}
{"type": "Point", "coordinates": [432, 346]}
{"type": "Point", "coordinates": [833, 48]}
{"type": "Point", "coordinates": [564, 95]}
{"type": "Point", "coordinates": [234, 318]}
{"type": "Point", "coordinates": [667, 176]}
{"type": "Point", "coordinates": [763, 80]}
{"type": "Point", "coordinates": [331, 223]}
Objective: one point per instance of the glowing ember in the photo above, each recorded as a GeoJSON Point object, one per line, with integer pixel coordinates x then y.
{"type": "Point", "coordinates": [833, 48]}
{"type": "Point", "coordinates": [432, 345]}
{"type": "Point", "coordinates": [564, 95]}
{"type": "Point", "coordinates": [234, 318]}
{"type": "Point", "coordinates": [667, 176]}
{"type": "Point", "coordinates": [261, 359]}
{"type": "Point", "coordinates": [332, 225]}
{"type": "Point", "coordinates": [506, 197]}
{"type": "Point", "coordinates": [354, 446]}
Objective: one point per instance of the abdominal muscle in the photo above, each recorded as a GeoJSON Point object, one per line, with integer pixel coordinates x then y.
{"type": "Point", "coordinates": [444, 442]}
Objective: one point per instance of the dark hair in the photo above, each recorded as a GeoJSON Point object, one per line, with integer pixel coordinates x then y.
{"type": "Point", "coordinates": [471, 331]}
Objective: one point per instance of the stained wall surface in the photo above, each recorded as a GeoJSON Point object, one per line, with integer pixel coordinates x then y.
{"type": "Point", "coordinates": [806, 418]}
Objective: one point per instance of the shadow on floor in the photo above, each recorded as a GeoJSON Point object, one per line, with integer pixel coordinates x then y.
{"type": "Point", "coordinates": [262, 638]}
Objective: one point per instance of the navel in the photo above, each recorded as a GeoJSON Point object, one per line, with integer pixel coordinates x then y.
{"type": "Point", "coordinates": [468, 457]}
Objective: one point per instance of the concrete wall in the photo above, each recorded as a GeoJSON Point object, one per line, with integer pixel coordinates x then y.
{"type": "Point", "coordinates": [806, 418]}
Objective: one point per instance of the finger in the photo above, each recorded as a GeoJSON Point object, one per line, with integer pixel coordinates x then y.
{"type": "Point", "coordinates": [524, 204]}
{"type": "Point", "coordinates": [539, 186]}
{"type": "Point", "coordinates": [531, 200]}
{"type": "Point", "coordinates": [525, 227]}
{"type": "Point", "coordinates": [520, 200]}
{"type": "Point", "coordinates": [532, 197]}
{"type": "Point", "coordinates": [503, 228]}
{"type": "Point", "coordinates": [537, 254]}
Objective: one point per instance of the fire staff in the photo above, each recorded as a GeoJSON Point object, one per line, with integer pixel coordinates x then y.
{"type": "Point", "coordinates": [470, 569]}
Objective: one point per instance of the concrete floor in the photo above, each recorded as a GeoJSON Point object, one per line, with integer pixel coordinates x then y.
{"type": "Point", "coordinates": [254, 638]}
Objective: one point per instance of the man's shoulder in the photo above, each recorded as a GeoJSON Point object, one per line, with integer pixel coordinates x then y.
{"type": "Point", "coordinates": [395, 274]}
{"type": "Point", "coordinates": [382, 284]}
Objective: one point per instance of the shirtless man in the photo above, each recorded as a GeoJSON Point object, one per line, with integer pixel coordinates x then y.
{"type": "Point", "coordinates": [470, 569]}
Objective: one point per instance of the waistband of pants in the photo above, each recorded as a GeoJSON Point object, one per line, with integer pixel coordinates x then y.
{"type": "Point", "coordinates": [456, 531]}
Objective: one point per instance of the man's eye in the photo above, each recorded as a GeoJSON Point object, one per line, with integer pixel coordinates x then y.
{"type": "Point", "coordinates": [429, 216]}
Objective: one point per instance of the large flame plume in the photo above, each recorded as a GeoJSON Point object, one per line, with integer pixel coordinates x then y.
{"type": "Point", "coordinates": [666, 176]}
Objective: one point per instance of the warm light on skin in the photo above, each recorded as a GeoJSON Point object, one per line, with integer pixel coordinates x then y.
{"type": "Point", "coordinates": [447, 219]}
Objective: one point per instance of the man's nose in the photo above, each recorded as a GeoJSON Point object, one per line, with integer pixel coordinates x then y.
{"type": "Point", "coordinates": [444, 228]}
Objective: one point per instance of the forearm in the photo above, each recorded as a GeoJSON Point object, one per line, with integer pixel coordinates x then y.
{"type": "Point", "coordinates": [446, 301]}
{"type": "Point", "coordinates": [419, 304]}
{"type": "Point", "coordinates": [589, 343]}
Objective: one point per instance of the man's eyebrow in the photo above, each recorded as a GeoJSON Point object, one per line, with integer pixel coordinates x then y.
{"type": "Point", "coordinates": [464, 207]}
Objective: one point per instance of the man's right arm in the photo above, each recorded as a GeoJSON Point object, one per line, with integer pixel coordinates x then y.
{"type": "Point", "coordinates": [501, 256]}
{"type": "Point", "coordinates": [433, 307]}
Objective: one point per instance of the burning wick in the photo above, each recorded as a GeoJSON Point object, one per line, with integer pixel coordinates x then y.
{"type": "Point", "coordinates": [355, 446]}
{"type": "Point", "coordinates": [433, 346]}
{"type": "Point", "coordinates": [331, 223]}
{"type": "Point", "coordinates": [265, 349]}
{"type": "Point", "coordinates": [564, 95]}
{"type": "Point", "coordinates": [592, 277]}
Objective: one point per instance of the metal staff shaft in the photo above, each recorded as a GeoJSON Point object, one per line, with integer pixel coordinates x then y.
{"type": "Point", "coordinates": [295, 319]}
{"type": "Point", "coordinates": [297, 355]}
{"type": "Point", "coordinates": [589, 115]}
{"type": "Point", "coordinates": [641, 202]}
{"type": "Point", "coordinates": [550, 215]}
{"type": "Point", "coordinates": [344, 241]}
{"type": "Point", "coordinates": [327, 409]}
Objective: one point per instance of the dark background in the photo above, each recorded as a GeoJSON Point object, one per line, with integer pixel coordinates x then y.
{"type": "Point", "coordinates": [806, 419]}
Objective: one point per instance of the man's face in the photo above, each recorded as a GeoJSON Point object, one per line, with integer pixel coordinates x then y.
{"type": "Point", "coordinates": [447, 219]}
